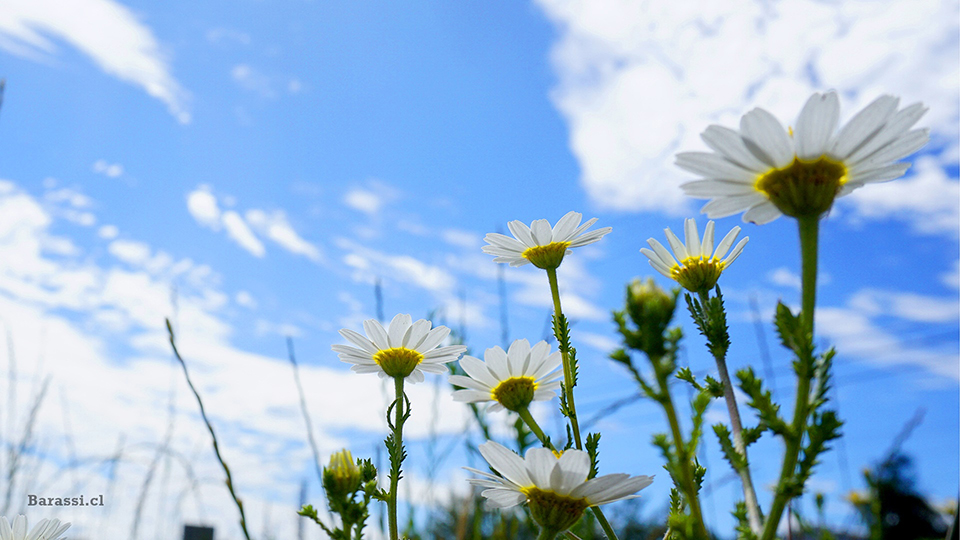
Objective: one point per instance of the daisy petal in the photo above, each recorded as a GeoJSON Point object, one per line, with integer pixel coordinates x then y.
{"type": "Point", "coordinates": [816, 124]}
{"type": "Point", "coordinates": [762, 131]}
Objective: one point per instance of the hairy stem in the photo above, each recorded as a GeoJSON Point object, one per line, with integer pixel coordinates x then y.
{"type": "Point", "coordinates": [568, 370]}
{"type": "Point", "coordinates": [395, 473]}
{"type": "Point", "coordinates": [809, 231]}
{"type": "Point", "coordinates": [754, 516]}
{"type": "Point", "coordinates": [567, 367]}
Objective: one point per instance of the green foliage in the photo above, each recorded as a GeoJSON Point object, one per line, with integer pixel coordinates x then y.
{"type": "Point", "coordinates": [743, 525]}
{"type": "Point", "coordinates": [736, 459]}
{"type": "Point", "coordinates": [592, 446]}
{"type": "Point", "coordinates": [711, 319]}
{"type": "Point", "coordinates": [762, 401]}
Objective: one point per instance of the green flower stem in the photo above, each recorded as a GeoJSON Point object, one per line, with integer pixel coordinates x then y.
{"type": "Point", "coordinates": [567, 368]}
{"type": "Point", "coordinates": [754, 516]}
{"type": "Point", "coordinates": [809, 232]}
{"type": "Point", "coordinates": [535, 427]}
{"type": "Point", "coordinates": [395, 478]}
{"type": "Point", "coordinates": [568, 389]}
{"type": "Point", "coordinates": [690, 491]}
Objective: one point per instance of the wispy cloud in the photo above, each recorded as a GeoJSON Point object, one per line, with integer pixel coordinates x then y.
{"type": "Point", "coordinates": [855, 331]}
{"type": "Point", "coordinates": [253, 80]}
{"type": "Point", "coordinates": [240, 233]}
{"type": "Point", "coordinates": [111, 170]}
{"type": "Point", "coordinates": [106, 31]}
{"type": "Point", "coordinates": [639, 81]}
{"type": "Point", "coordinates": [273, 225]}
{"type": "Point", "coordinates": [371, 198]}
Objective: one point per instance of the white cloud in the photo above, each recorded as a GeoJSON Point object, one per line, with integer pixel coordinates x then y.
{"type": "Point", "coordinates": [855, 334]}
{"type": "Point", "coordinates": [457, 237]}
{"type": "Point", "coordinates": [113, 170]}
{"type": "Point", "coordinates": [372, 198]}
{"type": "Point", "coordinates": [108, 232]}
{"type": "Point", "coordinates": [370, 264]}
{"type": "Point", "coordinates": [951, 278]}
{"type": "Point", "coordinates": [784, 277]}
{"type": "Point", "coordinates": [225, 36]}
{"type": "Point", "coordinates": [245, 299]}
{"type": "Point", "coordinates": [365, 201]}
{"type": "Point", "coordinates": [238, 230]}
{"type": "Point", "coordinates": [253, 80]}
{"type": "Point", "coordinates": [202, 205]}
{"type": "Point", "coordinates": [600, 342]}
{"type": "Point", "coordinates": [907, 306]}
{"type": "Point", "coordinates": [135, 253]}
{"type": "Point", "coordinates": [929, 200]}
{"type": "Point", "coordinates": [274, 225]}
{"type": "Point", "coordinates": [264, 327]}
{"type": "Point", "coordinates": [106, 31]}
{"type": "Point", "coordinates": [638, 81]}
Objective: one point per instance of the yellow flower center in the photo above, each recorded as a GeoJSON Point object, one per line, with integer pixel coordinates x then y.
{"type": "Point", "coordinates": [553, 511]}
{"type": "Point", "coordinates": [398, 361]}
{"type": "Point", "coordinates": [697, 274]}
{"type": "Point", "coordinates": [515, 393]}
{"type": "Point", "coordinates": [803, 188]}
{"type": "Point", "coordinates": [546, 257]}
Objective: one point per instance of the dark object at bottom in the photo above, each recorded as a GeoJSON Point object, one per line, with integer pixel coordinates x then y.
{"type": "Point", "coordinates": [197, 533]}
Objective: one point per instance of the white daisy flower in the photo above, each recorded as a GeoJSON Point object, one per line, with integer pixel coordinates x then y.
{"type": "Point", "coordinates": [697, 266]}
{"type": "Point", "coordinates": [556, 488]}
{"type": "Point", "coordinates": [540, 244]}
{"type": "Point", "coordinates": [767, 171]}
{"type": "Point", "coordinates": [47, 529]}
{"type": "Point", "coordinates": [510, 379]}
{"type": "Point", "coordinates": [407, 349]}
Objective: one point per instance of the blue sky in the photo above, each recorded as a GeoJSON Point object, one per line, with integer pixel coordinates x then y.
{"type": "Point", "coordinates": [269, 162]}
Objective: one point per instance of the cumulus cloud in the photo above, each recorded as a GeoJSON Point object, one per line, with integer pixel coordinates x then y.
{"type": "Point", "coordinates": [638, 81]}
{"type": "Point", "coordinates": [106, 31]}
